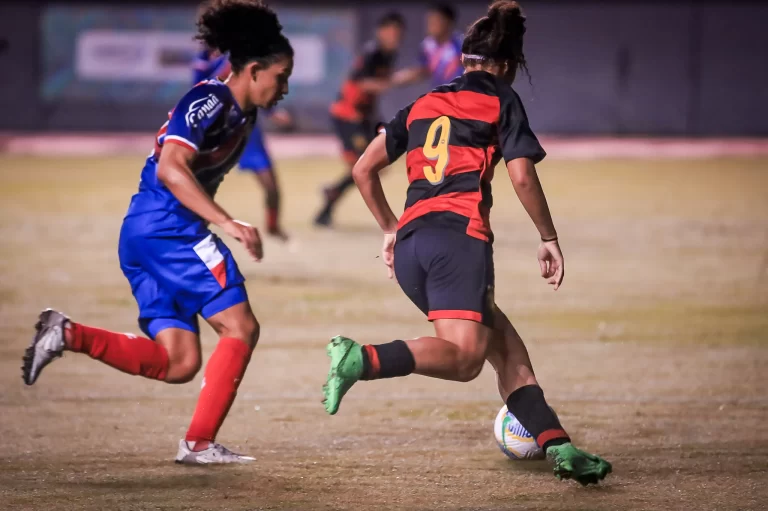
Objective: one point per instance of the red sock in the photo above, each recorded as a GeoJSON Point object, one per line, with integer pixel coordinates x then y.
{"type": "Point", "coordinates": [272, 214]}
{"type": "Point", "coordinates": [222, 376]}
{"type": "Point", "coordinates": [126, 352]}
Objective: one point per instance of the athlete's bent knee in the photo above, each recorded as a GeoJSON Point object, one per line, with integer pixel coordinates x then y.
{"type": "Point", "coordinates": [470, 366]}
{"type": "Point", "coordinates": [247, 329]}
{"type": "Point", "coordinates": [183, 369]}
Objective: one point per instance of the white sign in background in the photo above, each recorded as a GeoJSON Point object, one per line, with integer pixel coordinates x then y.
{"type": "Point", "coordinates": [162, 56]}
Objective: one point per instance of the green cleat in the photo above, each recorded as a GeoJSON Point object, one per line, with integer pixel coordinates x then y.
{"type": "Point", "coordinates": [573, 463]}
{"type": "Point", "coordinates": [346, 368]}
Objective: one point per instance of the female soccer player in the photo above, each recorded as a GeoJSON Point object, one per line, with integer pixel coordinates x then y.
{"type": "Point", "coordinates": [440, 250]}
{"type": "Point", "coordinates": [354, 114]}
{"type": "Point", "coordinates": [176, 267]}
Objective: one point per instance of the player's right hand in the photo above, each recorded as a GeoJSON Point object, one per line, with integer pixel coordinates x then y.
{"type": "Point", "coordinates": [246, 234]}
{"type": "Point", "coordinates": [551, 263]}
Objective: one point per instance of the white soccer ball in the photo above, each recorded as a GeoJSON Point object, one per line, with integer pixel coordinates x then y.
{"type": "Point", "coordinates": [513, 439]}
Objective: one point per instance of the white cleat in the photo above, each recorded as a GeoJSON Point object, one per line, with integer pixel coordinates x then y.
{"type": "Point", "coordinates": [214, 454]}
{"type": "Point", "coordinates": [46, 346]}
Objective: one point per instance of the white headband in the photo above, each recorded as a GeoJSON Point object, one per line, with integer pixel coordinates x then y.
{"type": "Point", "coordinates": [472, 57]}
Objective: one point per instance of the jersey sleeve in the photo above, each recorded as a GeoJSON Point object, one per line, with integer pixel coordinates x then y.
{"type": "Point", "coordinates": [516, 138]}
{"type": "Point", "coordinates": [397, 134]}
{"type": "Point", "coordinates": [366, 63]}
{"type": "Point", "coordinates": [194, 115]}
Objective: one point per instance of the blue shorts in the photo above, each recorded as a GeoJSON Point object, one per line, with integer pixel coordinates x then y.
{"type": "Point", "coordinates": [447, 274]}
{"type": "Point", "coordinates": [177, 270]}
{"type": "Point", "coordinates": [255, 157]}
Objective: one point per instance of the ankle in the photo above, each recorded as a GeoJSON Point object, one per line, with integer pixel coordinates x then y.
{"type": "Point", "coordinates": [69, 336]}
{"type": "Point", "coordinates": [198, 445]}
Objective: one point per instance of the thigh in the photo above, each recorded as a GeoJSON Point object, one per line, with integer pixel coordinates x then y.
{"type": "Point", "coordinates": [157, 306]}
{"type": "Point", "coordinates": [354, 138]}
{"type": "Point", "coordinates": [409, 273]}
{"type": "Point", "coordinates": [194, 267]}
{"type": "Point", "coordinates": [460, 276]}
{"type": "Point", "coordinates": [255, 157]}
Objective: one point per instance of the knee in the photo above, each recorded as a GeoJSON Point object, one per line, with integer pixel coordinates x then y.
{"type": "Point", "coordinates": [470, 365]}
{"type": "Point", "coordinates": [247, 329]}
{"type": "Point", "coordinates": [183, 367]}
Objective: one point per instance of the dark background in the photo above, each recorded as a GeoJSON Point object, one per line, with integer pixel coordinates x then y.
{"type": "Point", "coordinates": [655, 68]}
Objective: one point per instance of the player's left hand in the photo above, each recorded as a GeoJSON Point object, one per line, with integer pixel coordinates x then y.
{"type": "Point", "coordinates": [388, 253]}
{"type": "Point", "coordinates": [551, 263]}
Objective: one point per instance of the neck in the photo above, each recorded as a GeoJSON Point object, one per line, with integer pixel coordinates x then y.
{"type": "Point", "coordinates": [238, 86]}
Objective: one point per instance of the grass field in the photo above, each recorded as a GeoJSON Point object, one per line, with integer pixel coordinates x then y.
{"type": "Point", "coordinates": [654, 352]}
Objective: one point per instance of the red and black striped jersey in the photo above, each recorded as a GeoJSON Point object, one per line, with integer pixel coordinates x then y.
{"type": "Point", "coordinates": [454, 137]}
{"type": "Point", "coordinates": [354, 104]}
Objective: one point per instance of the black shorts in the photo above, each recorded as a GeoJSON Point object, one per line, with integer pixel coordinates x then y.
{"type": "Point", "coordinates": [447, 274]}
{"type": "Point", "coordinates": [354, 137]}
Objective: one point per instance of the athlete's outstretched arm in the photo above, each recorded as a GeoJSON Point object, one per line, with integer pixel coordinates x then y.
{"type": "Point", "coordinates": [175, 173]}
{"type": "Point", "coordinates": [524, 178]}
{"type": "Point", "coordinates": [410, 75]}
{"type": "Point", "coordinates": [375, 85]}
{"type": "Point", "coordinates": [366, 176]}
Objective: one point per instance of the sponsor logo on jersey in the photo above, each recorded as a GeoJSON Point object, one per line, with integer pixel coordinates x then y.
{"type": "Point", "coordinates": [202, 109]}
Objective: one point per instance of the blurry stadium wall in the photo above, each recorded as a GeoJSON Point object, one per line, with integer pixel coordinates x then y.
{"type": "Point", "coordinates": [625, 67]}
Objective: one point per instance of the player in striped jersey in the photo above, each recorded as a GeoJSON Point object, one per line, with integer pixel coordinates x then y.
{"type": "Point", "coordinates": [354, 113]}
{"type": "Point", "coordinates": [178, 269]}
{"type": "Point", "coordinates": [440, 249]}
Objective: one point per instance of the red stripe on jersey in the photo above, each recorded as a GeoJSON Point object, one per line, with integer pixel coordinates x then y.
{"type": "Point", "coordinates": [462, 203]}
{"type": "Point", "coordinates": [460, 159]}
{"type": "Point", "coordinates": [459, 105]}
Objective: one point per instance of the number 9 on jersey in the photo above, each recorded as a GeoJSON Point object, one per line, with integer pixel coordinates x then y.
{"type": "Point", "coordinates": [437, 149]}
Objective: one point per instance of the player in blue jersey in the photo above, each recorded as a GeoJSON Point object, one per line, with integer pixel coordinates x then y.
{"type": "Point", "coordinates": [440, 55]}
{"type": "Point", "coordinates": [178, 269]}
{"type": "Point", "coordinates": [209, 64]}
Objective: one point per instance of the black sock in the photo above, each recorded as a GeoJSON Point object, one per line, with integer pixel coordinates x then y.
{"type": "Point", "coordinates": [527, 404]}
{"type": "Point", "coordinates": [387, 360]}
{"type": "Point", "coordinates": [341, 186]}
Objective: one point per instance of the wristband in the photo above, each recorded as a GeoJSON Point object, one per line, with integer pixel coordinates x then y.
{"type": "Point", "coordinates": [548, 240]}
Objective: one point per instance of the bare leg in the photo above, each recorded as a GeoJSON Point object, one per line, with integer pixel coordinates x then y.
{"type": "Point", "coordinates": [268, 180]}
{"type": "Point", "coordinates": [509, 357]}
{"type": "Point", "coordinates": [457, 353]}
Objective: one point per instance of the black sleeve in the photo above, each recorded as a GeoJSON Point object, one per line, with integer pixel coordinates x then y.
{"type": "Point", "coordinates": [397, 134]}
{"type": "Point", "coordinates": [515, 136]}
{"type": "Point", "coordinates": [367, 63]}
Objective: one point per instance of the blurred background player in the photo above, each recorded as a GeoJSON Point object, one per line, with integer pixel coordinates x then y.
{"type": "Point", "coordinates": [354, 114]}
{"type": "Point", "coordinates": [176, 267]}
{"type": "Point", "coordinates": [441, 248]}
{"type": "Point", "coordinates": [209, 64]}
{"type": "Point", "coordinates": [440, 55]}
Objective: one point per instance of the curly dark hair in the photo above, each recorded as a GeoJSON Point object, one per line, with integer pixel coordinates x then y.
{"type": "Point", "coordinates": [247, 30]}
{"type": "Point", "coordinates": [498, 36]}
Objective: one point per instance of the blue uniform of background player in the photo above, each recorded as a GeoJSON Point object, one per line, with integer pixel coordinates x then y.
{"type": "Point", "coordinates": [440, 55]}
{"type": "Point", "coordinates": [255, 158]}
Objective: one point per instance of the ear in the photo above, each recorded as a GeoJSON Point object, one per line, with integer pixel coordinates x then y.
{"type": "Point", "coordinates": [253, 69]}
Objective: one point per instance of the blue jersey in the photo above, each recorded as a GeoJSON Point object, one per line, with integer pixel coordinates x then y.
{"type": "Point", "coordinates": [442, 60]}
{"type": "Point", "coordinates": [208, 121]}
{"type": "Point", "coordinates": [208, 66]}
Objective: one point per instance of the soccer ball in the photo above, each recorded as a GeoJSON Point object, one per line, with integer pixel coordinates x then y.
{"type": "Point", "coordinates": [513, 439]}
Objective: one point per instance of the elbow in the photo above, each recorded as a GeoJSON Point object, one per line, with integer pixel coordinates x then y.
{"type": "Point", "coordinates": [522, 181]}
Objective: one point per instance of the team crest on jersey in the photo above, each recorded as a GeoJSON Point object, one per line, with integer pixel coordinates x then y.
{"type": "Point", "coordinates": [202, 109]}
